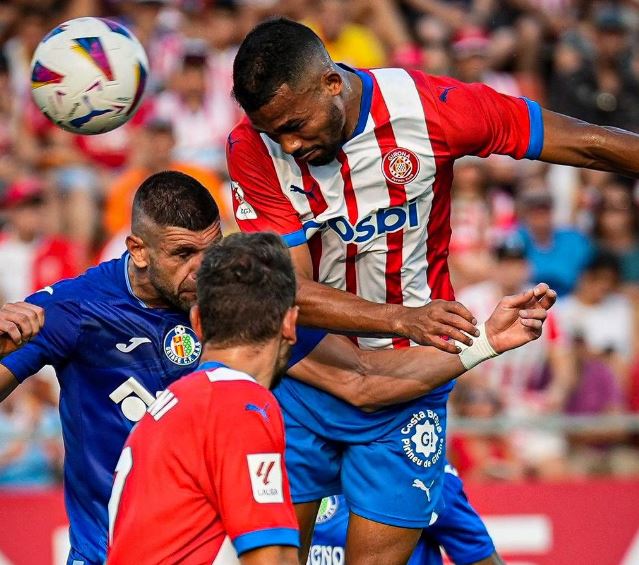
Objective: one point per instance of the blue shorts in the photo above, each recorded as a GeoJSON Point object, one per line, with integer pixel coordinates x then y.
{"type": "Point", "coordinates": [76, 558]}
{"type": "Point", "coordinates": [459, 530]}
{"type": "Point", "coordinates": [396, 479]}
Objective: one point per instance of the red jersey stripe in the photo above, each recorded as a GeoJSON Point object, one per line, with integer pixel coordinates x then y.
{"type": "Point", "coordinates": [351, 207]}
{"type": "Point", "coordinates": [395, 241]}
{"type": "Point", "coordinates": [439, 221]}
{"type": "Point", "coordinates": [312, 189]}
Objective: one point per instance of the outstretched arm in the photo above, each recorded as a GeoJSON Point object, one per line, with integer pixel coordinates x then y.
{"type": "Point", "coordinates": [372, 380]}
{"type": "Point", "coordinates": [569, 141]}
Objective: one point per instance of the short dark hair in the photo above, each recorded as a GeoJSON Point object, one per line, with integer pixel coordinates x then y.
{"type": "Point", "coordinates": [274, 53]}
{"type": "Point", "coordinates": [604, 260]}
{"type": "Point", "coordinates": [171, 198]}
{"type": "Point", "coordinates": [245, 286]}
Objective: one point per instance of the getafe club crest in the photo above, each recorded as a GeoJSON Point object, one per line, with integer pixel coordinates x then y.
{"type": "Point", "coordinates": [400, 165]}
{"type": "Point", "coordinates": [181, 345]}
{"type": "Point", "coordinates": [328, 509]}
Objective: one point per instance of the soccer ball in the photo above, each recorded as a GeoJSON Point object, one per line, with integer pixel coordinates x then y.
{"type": "Point", "coordinates": [88, 75]}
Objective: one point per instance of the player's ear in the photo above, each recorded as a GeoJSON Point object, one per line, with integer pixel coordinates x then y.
{"type": "Point", "coordinates": [289, 324]}
{"type": "Point", "coordinates": [137, 250]}
{"type": "Point", "coordinates": [332, 82]}
{"type": "Point", "coordinates": [196, 321]}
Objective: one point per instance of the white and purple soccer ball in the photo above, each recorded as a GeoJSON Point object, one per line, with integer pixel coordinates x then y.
{"type": "Point", "coordinates": [88, 75]}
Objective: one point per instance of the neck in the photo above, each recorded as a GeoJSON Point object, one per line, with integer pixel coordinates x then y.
{"type": "Point", "coordinates": [143, 289]}
{"type": "Point", "coordinates": [259, 361]}
{"type": "Point", "coordinates": [352, 96]}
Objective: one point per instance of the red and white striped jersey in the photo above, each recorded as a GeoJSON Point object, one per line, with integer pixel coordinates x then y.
{"type": "Point", "coordinates": [376, 219]}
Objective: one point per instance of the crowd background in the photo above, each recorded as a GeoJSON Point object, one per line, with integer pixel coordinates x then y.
{"type": "Point", "coordinates": [545, 412]}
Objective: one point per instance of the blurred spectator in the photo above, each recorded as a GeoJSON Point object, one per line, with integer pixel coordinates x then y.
{"type": "Point", "coordinates": [530, 381]}
{"type": "Point", "coordinates": [616, 227]}
{"type": "Point", "coordinates": [596, 76]}
{"type": "Point", "coordinates": [481, 456]}
{"type": "Point", "coordinates": [153, 153]}
{"type": "Point", "coordinates": [30, 444]}
{"type": "Point", "coordinates": [471, 222]}
{"type": "Point", "coordinates": [30, 259]}
{"type": "Point", "coordinates": [201, 117]}
{"type": "Point", "coordinates": [346, 42]}
{"type": "Point", "coordinates": [600, 315]}
{"type": "Point", "coordinates": [558, 255]}
{"type": "Point", "coordinates": [597, 392]}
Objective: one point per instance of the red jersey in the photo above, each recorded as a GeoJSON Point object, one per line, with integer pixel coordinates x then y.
{"type": "Point", "coordinates": [205, 462]}
{"type": "Point", "coordinates": [377, 218]}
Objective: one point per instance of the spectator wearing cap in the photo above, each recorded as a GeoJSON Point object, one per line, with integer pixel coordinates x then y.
{"type": "Point", "coordinates": [557, 255]}
{"type": "Point", "coordinates": [30, 258]}
{"type": "Point", "coordinates": [471, 53]}
{"type": "Point", "coordinates": [153, 153]}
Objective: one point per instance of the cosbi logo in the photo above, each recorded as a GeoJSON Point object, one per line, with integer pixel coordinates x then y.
{"type": "Point", "coordinates": [400, 165]}
{"type": "Point", "coordinates": [181, 345]}
{"type": "Point", "coordinates": [328, 509]}
{"type": "Point", "coordinates": [386, 220]}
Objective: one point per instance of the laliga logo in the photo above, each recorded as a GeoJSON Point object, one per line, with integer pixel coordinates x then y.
{"type": "Point", "coordinates": [400, 166]}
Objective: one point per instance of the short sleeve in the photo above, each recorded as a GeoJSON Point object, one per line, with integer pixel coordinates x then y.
{"type": "Point", "coordinates": [245, 455]}
{"type": "Point", "coordinates": [54, 343]}
{"type": "Point", "coordinates": [307, 340]}
{"type": "Point", "coordinates": [477, 120]}
{"type": "Point", "coordinates": [258, 201]}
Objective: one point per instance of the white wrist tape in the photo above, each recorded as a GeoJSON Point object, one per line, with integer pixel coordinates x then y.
{"type": "Point", "coordinates": [479, 351]}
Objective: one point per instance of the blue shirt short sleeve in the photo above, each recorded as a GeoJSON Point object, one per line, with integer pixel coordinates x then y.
{"type": "Point", "coordinates": [54, 343]}
{"type": "Point", "coordinates": [307, 340]}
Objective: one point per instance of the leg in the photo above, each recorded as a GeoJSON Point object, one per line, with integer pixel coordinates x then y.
{"type": "Point", "coordinates": [373, 543]}
{"type": "Point", "coordinates": [306, 513]}
{"type": "Point", "coordinates": [459, 529]}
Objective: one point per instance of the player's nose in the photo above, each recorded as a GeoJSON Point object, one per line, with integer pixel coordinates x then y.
{"type": "Point", "coordinates": [290, 143]}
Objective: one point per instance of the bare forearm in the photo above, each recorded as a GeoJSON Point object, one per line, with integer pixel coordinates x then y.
{"type": "Point", "coordinates": [570, 141]}
{"type": "Point", "coordinates": [372, 380]}
{"type": "Point", "coordinates": [322, 306]}
{"type": "Point", "coordinates": [8, 382]}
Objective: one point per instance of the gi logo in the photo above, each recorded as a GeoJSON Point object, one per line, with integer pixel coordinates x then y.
{"type": "Point", "coordinates": [400, 165]}
{"type": "Point", "coordinates": [424, 441]}
{"type": "Point", "coordinates": [181, 345]}
{"type": "Point", "coordinates": [244, 210]}
{"type": "Point", "coordinates": [328, 509]}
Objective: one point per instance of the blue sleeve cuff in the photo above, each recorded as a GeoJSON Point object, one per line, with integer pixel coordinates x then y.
{"type": "Point", "coordinates": [294, 239]}
{"type": "Point", "coordinates": [307, 340]}
{"type": "Point", "coordinates": [21, 368]}
{"type": "Point", "coordinates": [536, 143]}
{"type": "Point", "coordinates": [264, 538]}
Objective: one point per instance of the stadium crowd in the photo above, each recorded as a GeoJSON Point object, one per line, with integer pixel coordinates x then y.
{"type": "Point", "coordinates": [65, 200]}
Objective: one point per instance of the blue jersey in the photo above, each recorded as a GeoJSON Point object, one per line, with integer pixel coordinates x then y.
{"type": "Point", "coordinates": [112, 355]}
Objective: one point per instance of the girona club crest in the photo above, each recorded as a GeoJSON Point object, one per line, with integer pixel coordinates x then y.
{"type": "Point", "coordinates": [400, 165]}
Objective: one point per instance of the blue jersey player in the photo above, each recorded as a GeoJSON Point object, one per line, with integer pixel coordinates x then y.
{"type": "Point", "coordinates": [120, 333]}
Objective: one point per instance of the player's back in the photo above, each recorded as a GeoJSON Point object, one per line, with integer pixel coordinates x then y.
{"type": "Point", "coordinates": [193, 467]}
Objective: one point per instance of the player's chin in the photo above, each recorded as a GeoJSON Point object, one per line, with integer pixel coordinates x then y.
{"type": "Point", "coordinates": [320, 157]}
{"type": "Point", "coordinates": [187, 298]}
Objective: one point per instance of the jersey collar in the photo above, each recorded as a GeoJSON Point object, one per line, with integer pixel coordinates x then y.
{"type": "Point", "coordinates": [209, 365]}
{"type": "Point", "coordinates": [365, 102]}
{"type": "Point", "coordinates": [125, 261]}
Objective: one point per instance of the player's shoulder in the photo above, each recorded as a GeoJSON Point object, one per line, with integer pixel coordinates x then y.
{"type": "Point", "coordinates": [228, 386]}
{"type": "Point", "coordinates": [101, 281]}
{"type": "Point", "coordinates": [244, 136]}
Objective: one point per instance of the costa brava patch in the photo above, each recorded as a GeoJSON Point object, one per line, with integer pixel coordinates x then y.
{"type": "Point", "coordinates": [423, 443]}
{"type": "Point", "coordinates": [181, 345]}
